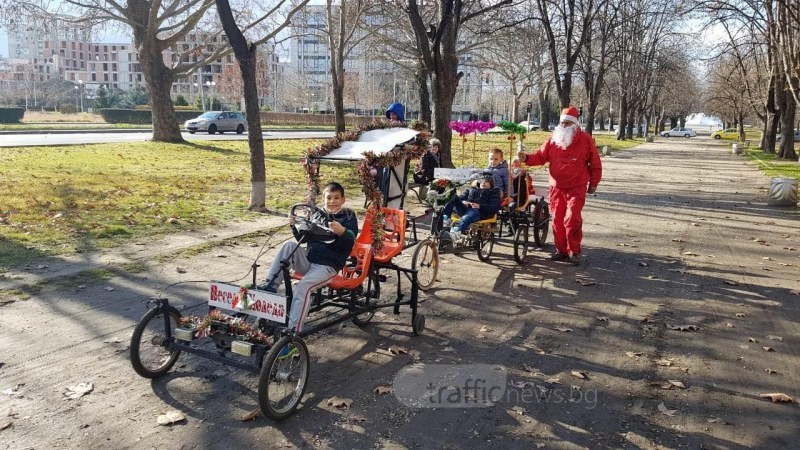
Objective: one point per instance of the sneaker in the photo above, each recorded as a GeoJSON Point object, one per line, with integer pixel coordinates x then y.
{"type": "Point", "coordinates": [575, 260]}
{"type": "Point", "coordinates": [287, 352]}
{"type": "Point", "coordinates": [558, 257]}
{"type": "Point", "coordinates": [267, 288]}
{"type": "Point", "coordinates": [455, 236]}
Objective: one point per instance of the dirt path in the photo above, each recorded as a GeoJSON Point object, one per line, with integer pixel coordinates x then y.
{"type": "Point", "coordinates": [678, 237]}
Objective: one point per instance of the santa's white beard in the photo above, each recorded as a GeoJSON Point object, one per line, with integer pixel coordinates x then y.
{"type": "Point", "coordinates": [563, 135]}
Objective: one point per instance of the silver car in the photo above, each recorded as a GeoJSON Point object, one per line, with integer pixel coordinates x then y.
{"type": "Point", "coordinates": [217, 122]}
{"type": "Point", "coordinates": [678, 132]}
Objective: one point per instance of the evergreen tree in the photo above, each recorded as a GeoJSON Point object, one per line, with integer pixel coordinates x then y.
{"type": "Point", "coordinates": [102, 101]}
{"type": "Point", "coordinates": [180, 100]}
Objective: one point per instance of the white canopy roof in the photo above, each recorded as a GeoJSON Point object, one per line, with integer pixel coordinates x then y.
{"type": "Point", "coordinates": [376, 141]}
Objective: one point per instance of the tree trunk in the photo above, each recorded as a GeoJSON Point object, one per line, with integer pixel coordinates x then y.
{"type": "Point", "coordinates": [158, 79]}
{"type": "Point", "coordinates": [590, 118]}
{"type": "Point", "coordinates": [246, 56]}
{"type": "Point", "coordinates": [789, 110]}
{"type": "Point", "coordinates": [424, 96]}
{"type": "Point", "coordinates": [566, 90]}
{"type": "Point", "coordinates": [444, 91]}
{"type": "Point", "coordinates": [544, 110]}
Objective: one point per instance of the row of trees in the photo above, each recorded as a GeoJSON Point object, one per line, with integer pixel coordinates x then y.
{"type": "Point", "coordinates": [756, 69]}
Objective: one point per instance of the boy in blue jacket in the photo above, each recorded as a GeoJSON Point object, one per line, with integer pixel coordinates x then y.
{"type": "Point", "coordinates": [474, 204]}
{"type": "Point", "coordinates": [320, 261]}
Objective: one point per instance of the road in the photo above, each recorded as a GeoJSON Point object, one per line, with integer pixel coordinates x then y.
{"type": "Point", "coordinates": [97, 137]}
{"type": "Point", "coordinates": [683, 315]}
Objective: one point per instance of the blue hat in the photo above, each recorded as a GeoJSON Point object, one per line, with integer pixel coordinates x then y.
{"type": "Point", "coordinates": [398, 109]}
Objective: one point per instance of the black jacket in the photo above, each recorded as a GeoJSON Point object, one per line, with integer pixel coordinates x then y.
{"type": "Point", "coordinates": [335, 253]}
{"type": "Point", "coordinates": [429, 162]}
{"type": "Point", "coordinates": [488, 199]}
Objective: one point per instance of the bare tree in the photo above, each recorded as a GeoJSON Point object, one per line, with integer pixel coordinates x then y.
{"type": "Point", "coordinates": [595, 57]}
{"type": "Point", "coordinates": [437, 43]}
{"type": "Point", "coordinates": [246, 53]}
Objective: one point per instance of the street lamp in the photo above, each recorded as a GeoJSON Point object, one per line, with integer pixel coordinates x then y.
{"type": "Point", "coordinates": [210, 85]}
{"type": "Point", "coordinates": [76, 96]}
{"type": "Point", "coordinates": [80, 92]}
{"type": "Point", "coordinates": [202, 97]}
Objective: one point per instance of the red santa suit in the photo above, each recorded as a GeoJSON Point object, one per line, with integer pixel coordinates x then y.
{"type": "Point", "coordinates": [571, 171]}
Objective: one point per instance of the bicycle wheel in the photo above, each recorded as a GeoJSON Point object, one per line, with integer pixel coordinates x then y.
{"type": "Point", "coordinates": [521, 243]}
{"type": "Point", "coordinates": [485, 246]}
{"type": "Point", "coordinates": [370, 297]}
{"type": "Point", "coordinates": [426, 262]}
{"type": "Point", "coordinates": [149, 355]}
{"type": "Point", "coordinates": [541, 223]}
{"type": "Point", "coordinates": [283, 378]}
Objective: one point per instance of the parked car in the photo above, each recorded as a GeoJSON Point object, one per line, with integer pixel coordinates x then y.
{"type": "Point", "coordinates": [730, 133]}
{"type": "Point", "coordinates": [217, 122]}
{"type": "Point", "coordinates": [530, 125]}
{"type": "Point", "coordinates": [678, 132]}
{"type": "Point", "coordinates": [796, 136]}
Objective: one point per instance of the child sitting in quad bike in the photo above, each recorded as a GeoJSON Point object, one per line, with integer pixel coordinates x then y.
{"type": "Point", "coordinates": [321, 260]}
{"type": "Point", "coordinates": [474, 204]}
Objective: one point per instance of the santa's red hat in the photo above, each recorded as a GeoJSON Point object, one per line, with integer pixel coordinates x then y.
{"type": "Point", "coordinates": [570, 115]}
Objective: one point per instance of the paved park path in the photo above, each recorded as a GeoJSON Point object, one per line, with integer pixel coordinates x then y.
{"type": "Point", "coordinates": [657, 341]}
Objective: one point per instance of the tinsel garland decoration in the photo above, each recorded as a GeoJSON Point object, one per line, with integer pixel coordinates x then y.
{"type": "Point", "coordinates": [202, 327]}
{"type": "Point", "coordinates": [367, 168]}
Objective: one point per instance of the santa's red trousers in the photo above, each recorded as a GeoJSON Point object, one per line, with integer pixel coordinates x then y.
{"type": "Point", "coordinates": [565, 210]}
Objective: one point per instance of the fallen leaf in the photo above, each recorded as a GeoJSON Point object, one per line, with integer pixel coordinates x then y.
{"type": "Point", "coordinates": [677, 384]}
{"type": "Point", "coordinates": [518, 409]}
{"type": "Point", "coordinates": [677, 240]}
{"type": "Point", "coordinates": [772, 337]}
{"type": "Point", "coordinates": [358, 419]}
{"type": "Point", "coordinates": [794, 292]}
{"type": "Point", "coordinates": [741, 315]}
{"type": "Point", "coordinates": [684, 327]}
{"type": "Point", "coordinates": [109, 289]}
{"type": "Point", "coordinates": [664, 410]}
{"type": "Point", "coordinates": [340, 402]}
{"type": "Point", "coordinates": [397, 350]}
{"type": "Point", "coordinates": [647, 319]}
{"type": "Point", "coordinates": [251, 415]}
{"type": "Point", "coordinates": [713, 419]}
{"type": "Point", "coordinates": [584, 282]}
{"type": "Point", "coordinates": [553, 380]}
{"type": "Point", "coordinates": [603, 319]}
{"type": "Point", "coordinates": [14, 392]}
{"type": "Point", "coordinates": [750, 339]}
{"type": "Point", "coordinates": [485, 329]}
{"type": "Point", "coordinates": [731, 283]}
{"type": "Point", "coordinates": [633, 354]}
{"type": "Point", "coordinates": [664, 362]}
{"type": "Point", "coordinates": [180, 270]}
{"type": "Point", "coordinates": [768, 349]}
{"type": "Point", "coordinates": [643, 264]}
{"type": "Point", "coordinates": [778, 397]}
{"type": "Point", "coordinates": [114, 340]}
{"type": "Point", "coordinates": [771, 371]}
{"type": "Point", "coordinates": [767, 269]}
{"type": "Point", "coordinates": [170, 417]}
{"type": "Point", "coordinates": [564, 329]}
{"type": "Point", "coordinates": [384, 389]}
{"type": "Point", "coordinates": [691, 254]}
{"type": "Point", "coordinates": [579, 374]}
{"type": "Point", "coordinates": [729, 325]}
{"type": "Point", "coordinates": [220, 255]}
{"type": "Point", "coordinates": [5, 425]}
{"type": "Point", "coordinates": [766, 258]}
{"type": "Point", "coordinates": [172, 220]}
{"type": "Point", "coordinates": [695, 224]}
{"type": "Point", "coordinates": [78, 391]}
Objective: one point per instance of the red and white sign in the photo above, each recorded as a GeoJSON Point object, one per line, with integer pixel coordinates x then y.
{"type": "Point", "coordinates": [260, 304]}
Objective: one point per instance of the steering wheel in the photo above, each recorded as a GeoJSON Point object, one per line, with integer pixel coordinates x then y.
{"type": "Point", "coordinates": [310, 230]}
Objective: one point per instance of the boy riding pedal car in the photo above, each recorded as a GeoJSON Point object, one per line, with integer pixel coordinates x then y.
{"type": "Point", "coordinates": [320, 261]}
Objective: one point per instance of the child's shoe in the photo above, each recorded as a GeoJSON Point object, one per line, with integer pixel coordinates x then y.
{"type": "Point", "coordinates": [455, 236]}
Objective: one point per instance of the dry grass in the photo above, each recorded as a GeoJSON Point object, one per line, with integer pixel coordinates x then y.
{"type": "Point", "coordinates": [57, 117]}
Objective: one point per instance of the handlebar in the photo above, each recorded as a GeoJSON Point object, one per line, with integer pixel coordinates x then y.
{"type": "Point", "coordinates": [303, 215]}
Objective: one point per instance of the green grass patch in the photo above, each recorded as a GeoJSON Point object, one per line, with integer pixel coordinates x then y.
{"type": "Point", "coordinates": [58, 200]}
{"type": "Point", "coordinates": [64, 199]}
{"type": "Point", "coordinates": [772, 166]}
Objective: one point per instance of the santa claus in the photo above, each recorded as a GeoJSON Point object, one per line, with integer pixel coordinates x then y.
{"type": "Point", "coordinates": [575, 169]}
